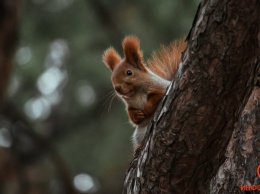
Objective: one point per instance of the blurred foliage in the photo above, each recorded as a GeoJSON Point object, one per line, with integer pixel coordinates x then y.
{"type": "Point", "coordinates": [62, 87]}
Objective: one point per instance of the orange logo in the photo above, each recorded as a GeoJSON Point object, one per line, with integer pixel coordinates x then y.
{"type": "Point", "coordinates": [258, 170]}
{"type": "Point", "coordinates": [252, 187]}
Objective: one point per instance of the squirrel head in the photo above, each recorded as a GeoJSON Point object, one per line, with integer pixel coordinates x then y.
{"type": "Point", "coordinates": [127, 73]}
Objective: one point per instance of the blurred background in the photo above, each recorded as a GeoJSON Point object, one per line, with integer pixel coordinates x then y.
{"type": "Point", "coordinates": [61, 132]}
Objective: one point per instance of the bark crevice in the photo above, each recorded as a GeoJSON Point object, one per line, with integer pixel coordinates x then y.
{"type": "Point", "coordinates": [191, 129]}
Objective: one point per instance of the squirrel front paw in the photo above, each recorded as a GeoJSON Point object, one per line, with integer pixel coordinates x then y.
{"type": "Point", "coordinates": [137, 116]}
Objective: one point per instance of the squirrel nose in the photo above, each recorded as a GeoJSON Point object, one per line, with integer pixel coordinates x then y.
{"type": "Point", "coordinates": [118, 88]}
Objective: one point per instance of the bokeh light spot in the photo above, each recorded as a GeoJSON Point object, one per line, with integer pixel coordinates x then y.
{"type": "Point", "coordinates": [38, 108]}
{"type": "Point", "coordinates": [5, 138]}
{"type": "Point", "coordinates": [86, 94]}
{"type": "Point", "coordinates": [23, 55]}
{"type": "Point", "coordinates": [84, 182]}
{"type": "Point", "coordinates": [49, 81]}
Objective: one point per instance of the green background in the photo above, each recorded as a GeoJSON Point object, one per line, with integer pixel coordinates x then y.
{"type": "Point", "coordinates": [61, 85]}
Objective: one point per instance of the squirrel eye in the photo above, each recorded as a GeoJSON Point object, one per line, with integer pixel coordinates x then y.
{"type": "Point", "coordinates": [129, 73]}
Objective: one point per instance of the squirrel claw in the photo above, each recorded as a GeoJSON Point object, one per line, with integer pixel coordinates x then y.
{"type": "Point", "coordinates": [137, 151]}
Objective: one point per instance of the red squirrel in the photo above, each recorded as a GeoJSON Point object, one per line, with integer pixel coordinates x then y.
{"type": "Point", "coordinates": [141, 86]}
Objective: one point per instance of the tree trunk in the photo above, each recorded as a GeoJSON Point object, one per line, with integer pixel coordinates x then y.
{"type": "Point", "coordinates": [239, 171]}
{"type": "Point", "coordinates": [8, 37]}
{"type": "Point", "coordinates": [186, 141]}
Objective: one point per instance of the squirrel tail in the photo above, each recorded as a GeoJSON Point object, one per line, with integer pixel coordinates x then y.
{"type": "Point", "coordinates": [165, 61]}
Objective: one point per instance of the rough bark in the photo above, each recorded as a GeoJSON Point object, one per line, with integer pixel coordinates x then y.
{"type": "Point", "coordinates": [187, 139]}
{"type": "Point", "coordinates": [239, 171]}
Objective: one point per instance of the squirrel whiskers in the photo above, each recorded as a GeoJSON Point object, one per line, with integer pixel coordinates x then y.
{"type": "Point", "coordinates": [141, 86]}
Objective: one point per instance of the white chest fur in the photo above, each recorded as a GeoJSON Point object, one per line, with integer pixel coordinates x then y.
{"type": "Point", "coordinates": [137, 101]}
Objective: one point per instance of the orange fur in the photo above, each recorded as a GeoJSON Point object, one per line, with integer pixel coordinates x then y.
{"type": "Point", "coordinates": [141, 89]}
{"type": "Point", "coordinates": [165, 61]}
{"type": "Point", "coordinates": [133, 54]}
{"type": "Point", "coordinates": [111, 58]}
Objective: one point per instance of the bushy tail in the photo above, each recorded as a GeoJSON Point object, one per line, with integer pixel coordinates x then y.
{"type": "Point", "coordinates": [165, 61]}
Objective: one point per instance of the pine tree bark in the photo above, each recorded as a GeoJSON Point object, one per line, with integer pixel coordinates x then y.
{"type": "Point", "coordinates": [239, 171]}
{"type": "Point", "coordinates": [187, 139]}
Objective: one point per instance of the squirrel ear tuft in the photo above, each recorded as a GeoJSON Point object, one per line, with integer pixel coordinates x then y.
{"type": "Point", "coordinates": [111, 58]}
{"type": "Point", "coordinates": [133, 54]}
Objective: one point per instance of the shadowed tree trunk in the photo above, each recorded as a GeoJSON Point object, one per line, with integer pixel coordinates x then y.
{"type": "Point", "coordinates": [15, 161]}
{"type": "Point", "coordinates": [187, 139]}
{"type": "Point", "coordinates": [8, 21]}
{"type": "Point", "coordinates": [238, 172]}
